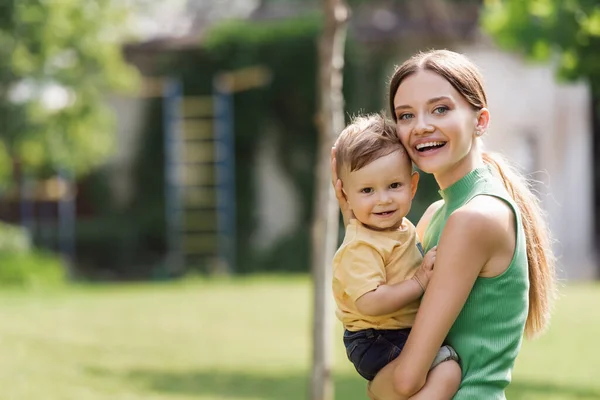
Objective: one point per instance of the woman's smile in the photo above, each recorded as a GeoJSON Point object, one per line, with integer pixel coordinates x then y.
{"type": "Point", "coordinates": [428, 147]}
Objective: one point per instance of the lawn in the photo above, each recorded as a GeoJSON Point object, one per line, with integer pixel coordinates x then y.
{"type": "Point", "coordinates": [244, 339]}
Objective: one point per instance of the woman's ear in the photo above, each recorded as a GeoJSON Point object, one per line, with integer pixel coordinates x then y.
{"type": "Point", "coordinates": [483, 121]}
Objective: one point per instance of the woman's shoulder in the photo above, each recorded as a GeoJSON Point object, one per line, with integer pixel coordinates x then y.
{"type": "Point", "coordinates": [427, 216]}
{"type": "Point", "coordinates": [487, 219]}
{"type": "Point", "coordinates": [432, 209]}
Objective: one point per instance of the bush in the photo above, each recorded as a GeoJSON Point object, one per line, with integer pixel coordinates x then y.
{"type": "Point", "coordinates": [22, 266]}
{"type": "Point", "coordinates": [32, 269]}
{"type": "Point", "coordinates": [13, 238]}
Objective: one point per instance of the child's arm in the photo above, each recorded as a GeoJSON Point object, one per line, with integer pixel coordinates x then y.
{"type": "Point", "coordinates": [386, 299]}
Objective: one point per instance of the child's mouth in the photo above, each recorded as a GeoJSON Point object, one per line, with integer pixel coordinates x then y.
{"type": "Point", "coordinates": [385, 213]}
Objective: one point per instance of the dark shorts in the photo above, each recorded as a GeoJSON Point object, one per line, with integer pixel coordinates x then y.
{"type": "Point", "coordinates": [372, 349]}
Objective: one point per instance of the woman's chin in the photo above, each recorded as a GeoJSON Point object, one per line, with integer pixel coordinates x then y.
{"type": "Point", "coordinates": [428, 167]}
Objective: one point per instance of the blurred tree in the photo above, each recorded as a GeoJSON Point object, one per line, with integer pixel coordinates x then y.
{"type": "Point", "coordinates": [567, 31]}
{"type": "Point", "coordinates": [330, 121]}
{"type": "Point", "coordinates": [58, 60]}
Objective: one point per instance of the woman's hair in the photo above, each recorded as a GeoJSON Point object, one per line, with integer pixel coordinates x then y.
{"type": "Point", "coordinates": [464, 76]}
{"type": "Point", "coordinates": [366, 139]}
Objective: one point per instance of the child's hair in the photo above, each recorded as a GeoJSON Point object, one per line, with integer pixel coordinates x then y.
{"type": "Point", "coordinates": [366, 139]}
{"type": "Point", "coordinates": [464, 76]}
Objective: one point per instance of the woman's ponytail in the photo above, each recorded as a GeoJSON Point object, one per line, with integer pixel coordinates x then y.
{"type": "Point", "coordinates": [542, 289]}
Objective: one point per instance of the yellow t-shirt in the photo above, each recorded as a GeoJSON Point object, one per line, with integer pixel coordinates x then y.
{"type": "Point", "coordinates": [367, 259]}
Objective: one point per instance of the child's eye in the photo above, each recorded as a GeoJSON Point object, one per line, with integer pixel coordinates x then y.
{"type": "Point", "coordinates": [405, 116]}
{"type": "Point", "coordinates": [367, 190]}
{"type": "Point", "coordinates": [395, 185]}
{"type": "Point", "coordinates": [440, 110]}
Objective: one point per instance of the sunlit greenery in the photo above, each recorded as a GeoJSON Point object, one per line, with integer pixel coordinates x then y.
{"type": "Point", "coordinates": [58, 59]}
{"type": "Point", "coordinates": [566, 31]}
{"type": "Point", "coordinates": [25, 267]}
{"type": "Point", "coordinates": [242, 339]}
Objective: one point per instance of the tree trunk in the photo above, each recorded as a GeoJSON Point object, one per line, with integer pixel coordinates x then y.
{"type": "Point", "coordinates": [595, 100]}
{"type": "Point", "coordinates": [326, 213]}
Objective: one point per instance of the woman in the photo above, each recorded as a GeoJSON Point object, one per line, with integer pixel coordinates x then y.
{"type": "Point", "coordinates": [494, 272]}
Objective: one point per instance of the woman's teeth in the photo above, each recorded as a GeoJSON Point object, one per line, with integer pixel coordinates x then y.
{"type": "Point", "coordinates": [428, 145]}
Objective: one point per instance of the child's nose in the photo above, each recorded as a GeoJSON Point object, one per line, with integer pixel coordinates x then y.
{"type": "Point", "coordinates": [384, 198]}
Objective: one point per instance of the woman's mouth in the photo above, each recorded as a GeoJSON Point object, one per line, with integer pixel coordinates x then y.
{"type": "Point", "coordinates": [429, 146]}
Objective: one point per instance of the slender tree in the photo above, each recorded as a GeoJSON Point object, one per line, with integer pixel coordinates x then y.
{"type": "Point", "coordinates": [326, 216]}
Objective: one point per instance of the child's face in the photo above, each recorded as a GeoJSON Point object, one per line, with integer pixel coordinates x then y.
{"type": "Point", "coordinates": [380, 193]}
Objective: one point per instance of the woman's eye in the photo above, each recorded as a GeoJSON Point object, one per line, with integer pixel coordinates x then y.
{"type": "Point", "coordinates": [440, 110]}
{"type": "Point", "coordinates": [366, 190]}
{"type": "Point", "coordinates": [395, 185]}
{"type": "Point", "coordinates": [405, 116]}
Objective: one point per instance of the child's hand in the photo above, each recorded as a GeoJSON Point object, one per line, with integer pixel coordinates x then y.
{"type": "Point", "coordinates": [425, 271]}
{"type": "Point", "coordinates": [347, 213]}
{"type": "Point", "coordinates": [429, 259]}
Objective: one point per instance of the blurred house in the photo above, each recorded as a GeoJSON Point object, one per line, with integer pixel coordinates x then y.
{"type": "Point", "coordinates": [544, 126]}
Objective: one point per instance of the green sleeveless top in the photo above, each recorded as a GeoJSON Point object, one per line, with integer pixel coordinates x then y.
{"type": "Point", "coordinates": [488, 332]}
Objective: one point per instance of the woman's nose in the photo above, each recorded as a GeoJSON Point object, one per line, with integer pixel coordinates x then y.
{"type": "Point", "coordinates": [423, 125]}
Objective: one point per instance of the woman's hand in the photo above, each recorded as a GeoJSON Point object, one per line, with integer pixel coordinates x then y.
{"type": "Point", "coordinates": [347, 213]}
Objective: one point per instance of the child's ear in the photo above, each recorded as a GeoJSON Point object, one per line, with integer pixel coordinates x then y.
{"type": "Point", "coordinates": [414, 182]}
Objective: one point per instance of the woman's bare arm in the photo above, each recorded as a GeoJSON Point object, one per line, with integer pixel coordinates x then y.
{"type": "Point", "coordinates": [470, 238]}
{"type": "Point", "coordinates": [426, 218]}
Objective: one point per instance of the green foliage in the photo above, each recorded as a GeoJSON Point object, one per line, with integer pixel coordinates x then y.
{"type": "Point", "coordinates": [13, 239]}
{"type": "Point", "coordinates": [23, 266]}
{"type": "Point", "coordinates": [58, 59]}
{"type": "Point", "coordinates": [568, 30]}
{"type": "Point", "coordinates": [254, 35]}
{"type": "Point", "coordinates": [31, 270]}
{"type": "Point", "coordinates": [100, 343]}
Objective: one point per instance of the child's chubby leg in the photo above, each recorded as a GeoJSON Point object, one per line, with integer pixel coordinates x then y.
{"type": "Point", "coordinates": [442, 382]}
{"type": "Point", "coordinates": [443, 379]}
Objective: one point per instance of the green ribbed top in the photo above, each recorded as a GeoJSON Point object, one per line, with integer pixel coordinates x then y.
{"type": "Point", "coordinates": [488, 332]}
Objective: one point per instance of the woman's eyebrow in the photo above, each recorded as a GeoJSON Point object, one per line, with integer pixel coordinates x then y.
{"type": "Point", "coordinates": [436, 99]}
{"type": "Point", "coordinates": [430, 101]}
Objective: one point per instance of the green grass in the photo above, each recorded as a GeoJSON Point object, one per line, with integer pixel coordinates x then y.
{"type": "Point", "coordinates": [244, 339]}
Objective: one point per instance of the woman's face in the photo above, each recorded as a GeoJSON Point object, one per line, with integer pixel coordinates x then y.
{"type": "Point", "coordinates": [437, 125]}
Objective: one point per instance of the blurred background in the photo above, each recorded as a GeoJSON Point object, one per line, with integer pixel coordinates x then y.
{"type": "Point", "coordinates": [157, 182]}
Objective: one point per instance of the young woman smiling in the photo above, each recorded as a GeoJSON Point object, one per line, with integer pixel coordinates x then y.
{"type": "Point", "coordinates": [493, 278]}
